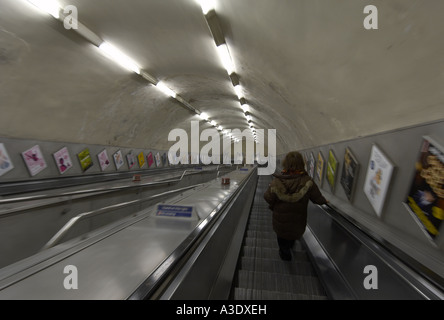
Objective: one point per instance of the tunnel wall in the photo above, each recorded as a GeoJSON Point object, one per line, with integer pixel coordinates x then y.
{"type": "Point", "coordinates": [395, 224]}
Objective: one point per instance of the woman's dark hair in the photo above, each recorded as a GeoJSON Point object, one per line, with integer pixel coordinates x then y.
{"type": "Point", "coordinates": [293, 162]}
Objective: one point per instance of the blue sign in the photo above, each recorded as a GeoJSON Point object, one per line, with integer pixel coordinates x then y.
{"type": "Point", "coordinates": [243, 169]}
{"type": "Point", "coordinates": [166, 210]}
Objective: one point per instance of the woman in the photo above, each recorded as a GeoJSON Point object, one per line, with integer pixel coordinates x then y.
{"type": "Point", "coordinates": [288, 196]}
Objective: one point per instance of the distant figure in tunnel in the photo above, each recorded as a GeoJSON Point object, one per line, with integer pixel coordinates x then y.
{"type": "Point", "coordinates": [288, 196]}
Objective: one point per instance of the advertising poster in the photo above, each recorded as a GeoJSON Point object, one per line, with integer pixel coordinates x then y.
{"type": "Point", "coordinates": [320, 168]}
{"type": "Point", "coordinates": [195, 158]}
{"type": "Point", "coordinates": [174, 159]}
{"type": "Point", "coordinates": [311, 166]}
{"type": "Point", "coordinates": [426, 195]}
{"type": "Point", "coordinates": [118, 159]}
{"type": "Point", "coordinates": [349, 173]}
{"type": "Point", "coordinates": [377, 180]}
{"type": "Point", "coordinates": [305, 161]}
{"type": "Point", "coordinates": [158, 160]}
{"type": "Point", "coordinates": [150, 159]}
{"type": "Point", "coordinates": [63, 160]}
{"type": "Point", "coordinates": [85, 159]}
{"type": "Point", "coordinates": [103, 160]}
{"type": "Point", "coordinates": [141, 158]}
{"type": "Point", "coordinates": [34, 160]}
{"type": "Point", "coordinates": [332, 168]}
{"type": "Point", "coordinates": [131, 161]}
{"type": "Point", "coordinates": [5, 162]}
{"type": "Point", "coordinates": [165, 159]}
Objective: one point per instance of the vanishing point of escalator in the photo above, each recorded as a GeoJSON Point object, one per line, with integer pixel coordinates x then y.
{"type": "Point", "coordinates": [261, 274]}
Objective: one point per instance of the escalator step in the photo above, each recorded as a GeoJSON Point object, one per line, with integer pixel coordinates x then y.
{"type": "Point", "coordinates": [261, 274]}
{"type": "Point", "coordinates": [262, 227]}
{"type": "Point", "coordinates": [271, 253]}
{"type": "Point", "coordinates": [276, 282]}
{"type": "Point", "coordinates": [260, 242]}
{"type": "Point", "coordinates": [303, 268]}
{"type": "Point", "coordinates": [252, 294]}
{"type": "Point", "coordinates": [261, 234]}
{"type": "Point", "coordinates": [269, 243]}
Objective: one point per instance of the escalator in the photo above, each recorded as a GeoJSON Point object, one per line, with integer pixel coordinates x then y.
{"type": "Point", "coordinates": [229, 252]}
{"type": "Point", "coordinates": [327, 263]}
{"type": "Point", "coordinates": [261, 274]}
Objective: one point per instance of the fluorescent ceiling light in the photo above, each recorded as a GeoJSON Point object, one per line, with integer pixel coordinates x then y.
{"type": "Point", "coordinates": [245, 108]}
{"type": "Point", "coordinates": [220, 128]}
{"type": "Point", "coordinates": [119, 57]}
{"type": "Point", "coordinates": [162, 87]}
{"type": "Point", "coordinates": [239, 91]}
{"type": "Point", "coordinates": [207, 5]}
{"type": "Point", "coordinates": [225, 57]}
{"type": "Point", "coordinates": [48, 6]}
{"type": "Point", "coordinates": [213, 123]}
{"type": "Point", "coordinates": [248, 118]}
{"type": "Point", "coordinates": [204, 116]}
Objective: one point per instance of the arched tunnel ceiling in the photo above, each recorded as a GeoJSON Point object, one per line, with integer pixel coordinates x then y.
{"type": "Point", "coordinates": [309, 69]}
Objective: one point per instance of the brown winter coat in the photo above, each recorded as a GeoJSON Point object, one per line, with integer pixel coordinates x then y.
{"type": "Point", "coordinates": [288, 197]}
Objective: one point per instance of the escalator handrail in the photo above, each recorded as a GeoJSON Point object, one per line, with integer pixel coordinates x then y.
{"type": "Point", "coordinates": [12, 188]}
{"type": "Point", "coordinates": [96, 191]}
{"type": "Point", "coordinates": [57, 238]}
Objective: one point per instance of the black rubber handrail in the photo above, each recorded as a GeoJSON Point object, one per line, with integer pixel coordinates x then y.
{"type": "Point", "coordinates": [57, 238]}
{"type": "Point", "coordinates": [10, 188]}
{"type": "Point", "coordinates": [102, 189]}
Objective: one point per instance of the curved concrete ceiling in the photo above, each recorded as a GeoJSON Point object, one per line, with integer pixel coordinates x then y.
{"type": "Point", "coordinates": [309, 69]}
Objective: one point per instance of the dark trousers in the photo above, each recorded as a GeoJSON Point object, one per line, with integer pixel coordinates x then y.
{"type": "Point", "coordinates": [285, 247]}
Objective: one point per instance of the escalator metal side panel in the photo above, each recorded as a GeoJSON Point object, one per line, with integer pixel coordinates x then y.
{"type": "Point", "coordinates": [351, 252]}
{"type": "Point", "coordinates": [333, 282]}
{"type": "Point", "coordinates": [209, 271]}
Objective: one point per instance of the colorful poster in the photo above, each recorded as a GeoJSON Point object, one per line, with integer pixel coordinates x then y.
{"type": "Point", "coordinates": [63, 160]}
{"type": "Point", "coordinates": [158, 161]}
{"type": "Point", "coordinates": [174, 160]}
{"type": "Point", "coordinates": [85, 159]}
{"type": "Point", "coordinates": [141, 158]}
{"type": "Point", "coordinates": [5, 162]}
{"type": "Point", "coordinates": [131, 161]}
{"type": "Point", "coordinates": [349, 173]}
{"type": "Point", "coordinates": [426, 195]}
{"type": "Point", "coordinates": [34, 160]}
{"type": "Point", "coordinates": [320, 168]}
{"type": "Point", "coordinates": [194, 158]}
{"type": "Point", "coordinates": [118, 159]}
{"type": "Point", "coordinates": [305, 161]}
{"type": "Point", "coordinates": [377, 180]}
{"type": "Point", "coordinates": [311, 166]}
{"type": "Point", "coordinates": [150, 159]}
{"type": "Point", "coordinates": [103, 160]}
{"type": "Point", "coordinates": [332, 168]}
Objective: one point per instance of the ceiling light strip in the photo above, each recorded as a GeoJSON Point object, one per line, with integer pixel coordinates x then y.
{"type": "Point", "coordinates": [53, 8]}
{"type": "Point", "coordinates": [224, 53]}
